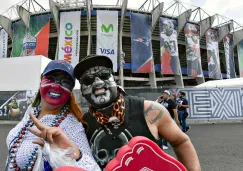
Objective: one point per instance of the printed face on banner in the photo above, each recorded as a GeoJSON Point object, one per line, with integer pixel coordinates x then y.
{"type": "Point", "coordinates": [193, 55]}
{"type": "Point", "coordinates": [169, 47]}
{"type": "Point", "coordinates": [240, 57]}
{"type": "Point", "coordinates": [229, 56]}
{"type": "Point", "coordinates": [213, 54]}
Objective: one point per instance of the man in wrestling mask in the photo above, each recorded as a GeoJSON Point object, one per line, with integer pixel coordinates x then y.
{"type": "Point", "coordinates": [113, 119]}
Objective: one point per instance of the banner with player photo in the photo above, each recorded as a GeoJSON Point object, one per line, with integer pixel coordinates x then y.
{"type": "Point", "coordinates": [32, 42]}
{"type": "Point", "coordinates": [229, 56]}
{"type": "Point", "coordinates": [169, 47]}
{"type": "Point", "coordinates": [214, 70]}
{"type": "Point", "coordinates": [142, 54]}
{"type": "Point", "coordinates": [3, 43]}
{"type": "Point", "coordinates": [13, 105]}
{"type": "Point", "coordinates": [240, 57]}
{"type": "Point", "coordinates": [193, 55]}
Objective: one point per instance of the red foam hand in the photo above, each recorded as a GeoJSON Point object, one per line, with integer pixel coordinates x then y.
{"type": "Point", "coordinates": [68, 168]}
{"type": "Point", "coordinates": [142, 154]}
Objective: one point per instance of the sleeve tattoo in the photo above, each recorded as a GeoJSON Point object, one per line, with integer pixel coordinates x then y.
{"type": "Point", "coordinates": [156, 107]}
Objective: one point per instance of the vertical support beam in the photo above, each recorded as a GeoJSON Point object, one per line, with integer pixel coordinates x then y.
{"type": "Point", "coordinates": [121, 54]}
{"type": "Point", "coordinates": [88, 9]}
{"type": "Point", "coordinates": [6, 25]}
{"type": "Point", "coordinates": [55, 13]}
{"type": "Point", "coordinates": [205, 25]}
{"type": "Point", "coordinates": [24, 15]}
{"type": "Point", "coordinates": [156, 13]}
{"type": "Point", "coordinates": [182, 20]}
{"type": "Point", "coordinates": [224, 30]}
{"type": "Point", "coordinates": [237, 37]}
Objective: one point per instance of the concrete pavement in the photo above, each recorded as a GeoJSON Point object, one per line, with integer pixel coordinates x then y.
{"type": "Point", "coordinates": [219, 146]}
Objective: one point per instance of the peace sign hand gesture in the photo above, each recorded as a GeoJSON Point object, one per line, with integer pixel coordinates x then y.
{"type": "Point", "coordinates": [53, 135]}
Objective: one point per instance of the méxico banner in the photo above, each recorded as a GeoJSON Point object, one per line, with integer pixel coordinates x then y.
{"type": "Point", "coordinates": [69, 38]}
{"type": "Point", "coordinates": [240, 57]}
{"type": "Point", "coordinates": [32, 42]}
{"type": "Point", "coordinates": [107, 35]}
{"type": "Point", "coordinates": [142, 54]}
{"type": "Point", "coordinates": [3, 43]}
{"type": "Point", "coordinates": [213, 54]}
{"type": "Point", "coordinates": [169, 47]}
{"type": "Point", "coordinates": [229, 56]}
{"type": "Point", "coordinates": [194, 67]}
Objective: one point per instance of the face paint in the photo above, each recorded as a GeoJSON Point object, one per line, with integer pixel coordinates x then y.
{"type": "Point", "coordinates": [56, 88]}
{"type": "Point", "coordinates": [99, 87]}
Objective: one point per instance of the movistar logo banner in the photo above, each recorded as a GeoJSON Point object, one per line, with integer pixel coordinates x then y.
{"type": "Point", "coordinates": [107, 29]}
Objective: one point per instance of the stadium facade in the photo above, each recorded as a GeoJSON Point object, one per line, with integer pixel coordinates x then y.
{"type": "Point", "coordinates": [149, 47]}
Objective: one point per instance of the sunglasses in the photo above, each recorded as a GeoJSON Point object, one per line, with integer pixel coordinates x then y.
{"type": "Point", "coordinates": [88, 79]}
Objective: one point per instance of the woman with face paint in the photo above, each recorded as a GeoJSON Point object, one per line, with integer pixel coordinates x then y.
{"type": "Point", "coordinates": [53, 116]}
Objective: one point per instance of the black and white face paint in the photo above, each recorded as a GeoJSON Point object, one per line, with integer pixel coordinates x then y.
{"type": "Point", "coordinates": [99, 87]}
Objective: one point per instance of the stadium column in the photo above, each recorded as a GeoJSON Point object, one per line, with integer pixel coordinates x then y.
{"type": "Point", "coordinates": [204, 26]}
{"type": "Point", "coordinates": [157, 11]}
{"type": "Point", "coordinates": [121, 54]}
{"type": "Point", "coordinates": [88, 9]}
{"type": "Point", "coordinates": [55, 13]}
{"type": "Point", "coordinates": [24, 15]}
{"type": "Point", "coordinates": [6, 25]}
{"type": "Point", "coordinates": [182, 20]}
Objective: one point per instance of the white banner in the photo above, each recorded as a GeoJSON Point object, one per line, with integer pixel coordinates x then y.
{"type": "Point", "coordinates": [69, 38]}
{"type": "Point", "coordinates": [107, 35]}
{"type": "Point", "coordinates": [3, 43]}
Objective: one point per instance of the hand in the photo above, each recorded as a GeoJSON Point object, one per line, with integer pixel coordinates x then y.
{"type": "Point", "coordinates": [53, 135]}
{"type": "Point", "coordinates": [179, 104]}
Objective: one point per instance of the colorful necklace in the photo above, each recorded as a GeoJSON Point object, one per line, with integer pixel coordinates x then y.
{"type": "Point", "coordinates": [19, 139]}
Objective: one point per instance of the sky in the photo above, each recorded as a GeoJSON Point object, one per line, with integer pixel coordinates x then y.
{"type": "Point", "coordinates": [231, 9]}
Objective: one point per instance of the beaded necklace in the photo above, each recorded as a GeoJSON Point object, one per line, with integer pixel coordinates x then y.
{"type": "Point", "coordinates": [19, 139]}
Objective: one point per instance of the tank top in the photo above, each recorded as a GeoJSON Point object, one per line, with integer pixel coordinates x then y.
{"type": "Point", "coordinates": [106, 141]}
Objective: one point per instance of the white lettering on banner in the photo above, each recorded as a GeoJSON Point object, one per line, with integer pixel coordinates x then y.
{"type": "Point", "coordinates": [69, 38]}
{"type": "Point", "coordinates": [107, 35]}
{"type": "Point", "coordinates": [107, 51]}
{"type": "Point", "coordinates": [3, 43]}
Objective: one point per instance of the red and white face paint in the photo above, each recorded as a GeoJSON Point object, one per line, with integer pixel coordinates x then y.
{"type": "Point", "coordinates": [53, 93]}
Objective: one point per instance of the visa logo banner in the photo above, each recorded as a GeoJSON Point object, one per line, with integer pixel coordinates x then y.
{"type": "Point", "coordinates": [107, 35]}
{"type": "Point", "coordinates": [107, 51]}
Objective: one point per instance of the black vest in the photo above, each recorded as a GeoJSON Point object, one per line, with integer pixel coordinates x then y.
{"type": "Point", "coordinates": [105, 142]}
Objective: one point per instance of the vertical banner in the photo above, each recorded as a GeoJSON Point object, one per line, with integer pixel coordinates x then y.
{"type": "Point", "coordinates": [194, 67]}
{"type": "Point", "coordinates": [213, 54]}
{"type": "Point", "coordinates": [69, 38]}
{"type": "Point", "coordinates": [240, 57]}
{"type": "Point", "coordinates": [3, 43]}
{"type": "Point", "coordinates": [107, 35]}
{"type": "Point", "coordinates": [34, 41]}
{"type": "Point", "coordinates": [229, 56]}
{"type": "Point", "coordinates": [142, 54]}
{"type": "Point", "coordinates": [169, 47]}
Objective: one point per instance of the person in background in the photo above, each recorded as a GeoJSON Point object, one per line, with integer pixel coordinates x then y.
{"type": "Point", "coordinates": [173, 97]}
{"type": "Point", "coordinates": [55, 112]}
{"type": "Point", "coordinates": [182, 110]}
{"type": "Point", "coordinates": [170, 105]}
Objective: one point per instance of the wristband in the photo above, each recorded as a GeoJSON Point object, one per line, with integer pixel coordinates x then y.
{"type": "Point", "coordinates": [79, 156]}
